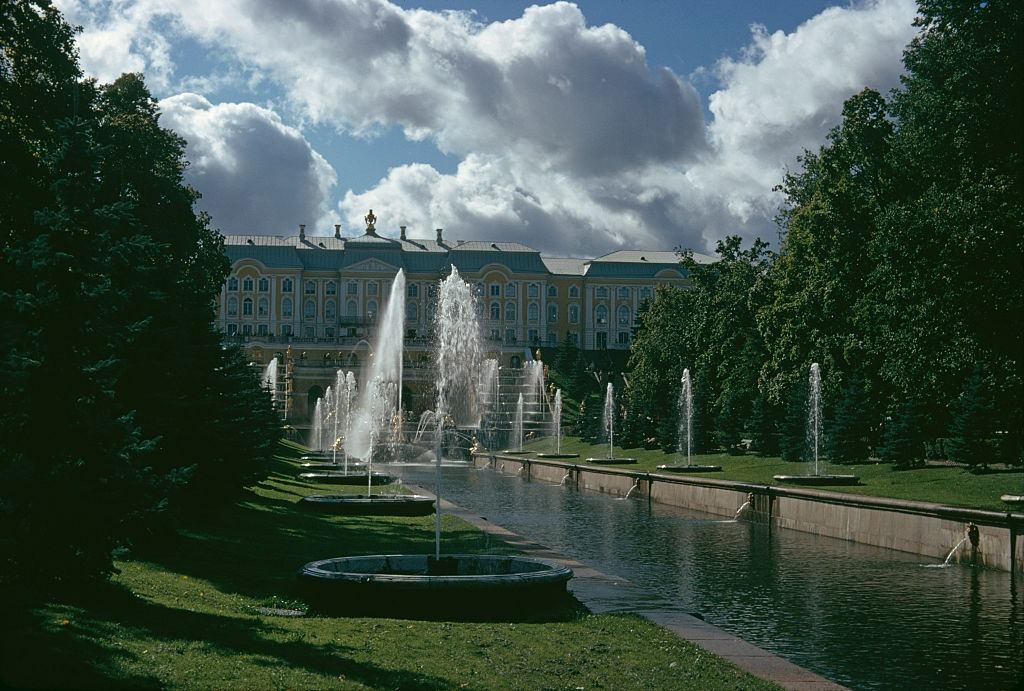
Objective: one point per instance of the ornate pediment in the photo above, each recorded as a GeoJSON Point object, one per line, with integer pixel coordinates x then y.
{"type": "Point", "coordinates": [372, 265]}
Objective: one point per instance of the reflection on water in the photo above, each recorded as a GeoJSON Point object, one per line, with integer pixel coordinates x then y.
{"type": "Point", "coordinates": [863, 616]}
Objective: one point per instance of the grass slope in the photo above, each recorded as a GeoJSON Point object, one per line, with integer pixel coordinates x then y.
{"type": "Point", "coordinates": [939, 484]}
{"type": "Point", "coordinates": [187, 617]}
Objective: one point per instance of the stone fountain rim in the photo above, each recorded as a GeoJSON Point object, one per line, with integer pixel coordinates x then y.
{"type": "Point", "coordinates": [553, 573]}
{"type": "Point", "coordinates": [822, 480]}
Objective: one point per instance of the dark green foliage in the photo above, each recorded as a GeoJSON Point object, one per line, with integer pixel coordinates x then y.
{"type": "Point", "coordinates": [793, 435]}
{"type": "Point", "coordinates": [972, 434]}
{"type": "Point", "coordinates": [766, 426]}
{"type": "Point", "coordinates": [118, 397]}
{"type": "Point", "coordinates": [904, 435]}
{"type": "Point", "coordinates": [565, 358]}
{"type": "Point", "coordinates": [850, 430]}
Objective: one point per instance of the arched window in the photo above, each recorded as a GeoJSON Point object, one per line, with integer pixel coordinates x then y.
{"type": "Point", "coordinates": [286, 308]}
{"type": "Point", "coordinates": [247, 307]}
{"type": "Point", "coordinates": [510, 311]}
{"type": "Point", "coordinates": [310, 288]}
{"type": "Point", "coordinates": [574, 314]}
{"type": "Point", "coordinates": [330, 311]}
{"type": "Point", "coordinates": [574, 291]}
{"type": "Point", "coordinates": [533, 290]}
{"type": "Point", "coordinates": [624, 293]}
{"type": "Point", "coordinates": [351, 309]}
{"type": "Point", "coordinates": [533, 312]}
{"type": "Point", "coordinates": [601, 314]}
{"type": "Point", "coordinates": [247, 284]}
{"type": "Point", "coordinates": [309, 310]}
{"type": "Point", "coordinates": [510, 290]}
{"type": "Point", "coordinates": [515, 362]}
{"type": "Point", "coordinates": [552, 291]}
{"type": "Point", "coordinates": [495, 311]}
{"type": "Point", "coordinates": [286, 285]}
{"type": "Point", "coordinates": [331, 288]}
{"type": "Point", "coordinates": [412, 312]}
{"type": "Point", "coordinates": [233, 283]}
{"type": "Point", "coordinates": [413, 291]}
{"type": "Point", "coordinates": [232, 306]}
{"type": "Point", "coordinates": [552, 312]}
{"type": "Point", "coordinates": [264, 284]}
{"type": "Point", "coordinates": [262, 307]}
{"type": "Point", "coordinates": [623, 315]}
{"type": "Point", "coordinates": [371, 309]}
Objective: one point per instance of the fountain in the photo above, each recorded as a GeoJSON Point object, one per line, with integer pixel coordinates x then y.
{"type": "Point", "coordinates": [608, 422]}
{"type": "Point", "coordinates": [269, 380]}
{"type": "Point", "coordinates": [451, 584]}
{"type": "Point", "coordinates": [686, 431]}
{"type": "Point", "coordinates": [517, 430]}
{"type": "Point", "coordinates": [814, 441]}
{"type": "Point", "coordinates": [556, 429]}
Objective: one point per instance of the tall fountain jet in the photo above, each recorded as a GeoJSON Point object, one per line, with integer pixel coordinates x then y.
{"type": "Point", "coordinates": [517, 430]}
{"type": "Point", "coordinates": [686, 416]}
{"type": "Point", "coordinates": [459, 358]}
{"type": "Point", "coordinates": [378, 397]}
{"type": "Point", "coordinates": [316, 433]}
{"type": "Point", "coordinates": [557, 421]}
{"type": "Point", "coordinates": [608, 418]}
{"type": "Point", "coordinates": [269, 380]}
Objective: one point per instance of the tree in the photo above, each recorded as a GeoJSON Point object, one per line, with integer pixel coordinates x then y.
{"type": "Point", "coordinates": [793, 435]}
{"type": "Point", "coordinates": [849, 438]}
{"type": "Point", "coordinates": [904, 435]}
{"type": "Point", "coordinates": [972, 434]}
{"type": "Point", "coordinates": [765, 426]}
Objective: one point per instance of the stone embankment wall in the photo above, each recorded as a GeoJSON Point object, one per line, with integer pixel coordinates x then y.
{"type": "Point", "coordinates": [930, 530]}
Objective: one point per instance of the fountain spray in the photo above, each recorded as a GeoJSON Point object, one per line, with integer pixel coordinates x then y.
{"type": "Point", "coordinates": [686, 415]}
{"type": "Point", "coordinates": [608, 418]}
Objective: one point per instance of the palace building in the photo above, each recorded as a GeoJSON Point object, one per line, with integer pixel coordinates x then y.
{"type": "Point", "coordinates": [322, 296]}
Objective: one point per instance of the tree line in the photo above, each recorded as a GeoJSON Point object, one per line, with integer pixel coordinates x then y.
{"type": "Point", "coordinates": [900, 269]}
{"type": "Point", "coordinates": [121, 412]}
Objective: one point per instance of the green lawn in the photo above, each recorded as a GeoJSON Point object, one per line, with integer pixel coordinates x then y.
{"type": "Point", "coordinates": [944, 485]}
{"type": "Point", "coordinates": [187, 618]}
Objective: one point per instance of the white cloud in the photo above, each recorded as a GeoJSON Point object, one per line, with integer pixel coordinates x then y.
{"type": "Point", "coordinates": [256, 174]}
{"type": "Point", "coordinates": [569, 140]}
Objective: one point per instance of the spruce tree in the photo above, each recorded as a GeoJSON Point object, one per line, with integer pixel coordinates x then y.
{"type": "Point", "coordinates": [793, 436]}
{"type": "Point", "coordinates": [766, 423]}
{"type": "Point", "coordinates": [903, 437]}
{"type": "Point", "coordinates": [972, 435]}
{"type": "Point", "coordinates": [850, 429]}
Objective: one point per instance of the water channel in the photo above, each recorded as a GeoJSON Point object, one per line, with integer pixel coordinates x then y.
{"type": "Point", "coordinates": [866, 617]}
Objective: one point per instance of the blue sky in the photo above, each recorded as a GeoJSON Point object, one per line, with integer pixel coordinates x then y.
{"type": "Point", "coordinates": [575, 128]}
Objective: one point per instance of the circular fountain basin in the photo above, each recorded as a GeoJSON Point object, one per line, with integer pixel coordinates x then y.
{"type": "Point", "coordinates": [415, 584]}
{"type": "Point", "coordinates": [372, 505]}
{"type": "Point", "coordinates": [1014, 501]}
{"type": "Point", "coordinates": [558, 455]}
{"type": "Point", "coordinates": [818, 480]}
{"type": "Point", "coordinates": [694, 468]}
{"type": "Point", "coordinates": [612, 461]}
{"type": "Point", "coordinates": [317, 456]}
{"type": "Point", "coordinates": [340, 466]}
{"type": "Point", "coordinates": [343, 478]}
{"type": "Point", "coordinates": [514, 452]}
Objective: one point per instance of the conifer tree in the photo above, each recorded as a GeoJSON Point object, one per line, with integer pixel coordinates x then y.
{"type": "Point", "coordinates": [850, 429]}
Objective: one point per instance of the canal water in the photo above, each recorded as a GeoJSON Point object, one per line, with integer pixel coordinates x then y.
{"type": "Point", "coordinates": [866, 617]}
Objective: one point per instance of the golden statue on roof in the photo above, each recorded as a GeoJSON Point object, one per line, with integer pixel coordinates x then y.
{"type": "Point", "coordinates": [370, 220]}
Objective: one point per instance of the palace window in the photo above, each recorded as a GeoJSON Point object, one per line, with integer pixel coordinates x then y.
{"type": "Point", "coordinates": [533, 312]}
{"type": "Point", "coordinates": [262, 307]}
{"type": "Point", "coordinates": [309, 332]}
{"type": "Point", "coordinates": [624, 293]}
{"type": "Point", "coordinates": [510, 335]}
{"type": "Point", "coordinates": [552, 313]}
{"type": "Point", "coordinates": [330, 311]}
{"type": "Point", "coordinates": [602, 291]}
{"type": "Point", "coordinates": [623, 338]}
{"type": "Point", "coordinates": [262, 329]}
{"type": "Point", "coordinates": [574, 291]}
{"type": "Point", "coordinates": [533, 290]}
{"type": "Point", "coordinates": [552, 291]}
{"type": "Point", "coordinates": [247, 329]}
{"type": "Point", "coordinates": [602, 340]}
{"type": "Point", "coordinates": [309, 310]}
{"type": "Point", "coordinates": [371, 288]}
{"type": "Point", "coordinates": [574, 314]}
{"type": "Point", "coordinates": [645, 293]}
{"type": "Point", "coordinates": [478, 289]}
{"type": "Point", "coordinates": [412, 312]}
{"type": "Point", "coordinates": [310, 288]}
{"type": "Point", "coordinates": [264, 284]}
{"type": "Point", "coordinates": [286, 285]}
{"type": "Point", "coordinates": [574, 338]}
{"type": "Point", "coordinates": [286, 330]}
{"type": "Point", "coordinates": [495, 290]}
{"type": "Point", "coordinates": [352, 288]}
{"type": "Point", "coordinates": [510, 311]}
{"type": "Point", "coordinates": [533, 336]}
{"type": "Point", "coordinates": [351, 309]}
{"type": "Point", "coordinates": [494, 335]}
{"type": "Point", "coordinates": [286, 308]}
{"type": "Point", "coordinates": [247, 307]}
{"type": "Point", "coordinates": [510, 290]}
{"type": "Point", "coordinates": [495, 311]}
{"type": "Point", "coordinates": [247, 284]}
{"type": "Point", "coordinates": [233, 283]}
{"type": "Point", "coordinates": [332, 288]}
{"type": "Point", "coordinates": [412, 290]}
{"type": "Point", "coordinates": [232, 306]}
{"type": "Point", "coordinates": [371, 309]}
{"type": "Point", "coordinates": [232, 329]}
{"type": "Point", "coordinates": [552, 339]}
{"type": "Point", "coordinates": [601, 315]}
{"type": "Point", "coordinates": [623, 315]}
{"type": "Point", "coordinates": [329, 332]}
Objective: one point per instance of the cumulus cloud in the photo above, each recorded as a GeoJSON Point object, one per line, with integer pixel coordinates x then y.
{"type": "Point", "coordinates": [256, 174]}
{"type": "Point", "coordinates": [568, 139]}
